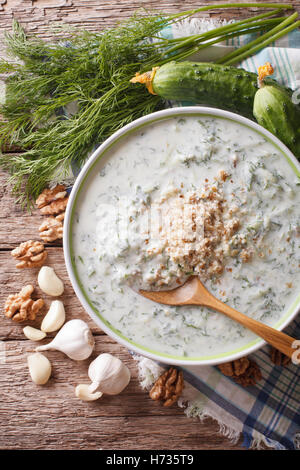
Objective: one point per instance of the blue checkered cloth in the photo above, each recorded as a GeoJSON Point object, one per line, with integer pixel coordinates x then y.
{"type": "Point", "coordinates": [265, 413]}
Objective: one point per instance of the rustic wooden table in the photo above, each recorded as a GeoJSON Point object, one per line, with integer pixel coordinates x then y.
{"type": "Point", "coordinates": [50, 417]}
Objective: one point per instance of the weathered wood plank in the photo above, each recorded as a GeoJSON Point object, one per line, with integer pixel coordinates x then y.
{"type": "Point", "coordinates": [52, 417]}
{"type": "Point", "coordinates": [37, 16]}
{"type": "Point", "coordinates": [16, 224]}
{"type": "Point", "coordinates": [66, 374]}
{"type": "Point", "coordinates": [112, 422]}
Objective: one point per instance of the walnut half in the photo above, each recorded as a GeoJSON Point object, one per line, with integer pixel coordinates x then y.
{"type": "Point", "coordinates": [52, 228]}
{"type": "Point", "coordinates": [244, 371]}
{"type": "Point", "coordinates": [168, 387]}
{"type": "Point", "coordinates": [20, 307]}
{"type": "Point", "coordinates": [53, 201]}
{"type": "Point", "coordinates": [30, 254]}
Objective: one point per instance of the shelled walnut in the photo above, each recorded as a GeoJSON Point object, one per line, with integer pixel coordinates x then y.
{"type": "Point", "coordinates": [20, 307]}
{"type": "Point", "coordinates": [244, 371]}
{"type": "Point", "coordinates": [53, 201]}
{"type": "Point", "coordinates": [278, 358]}
{"type": "Point", "coordinates": [30, 254]}
{"type": "Point", "coordinates": [52, 228]}
{"type": "Point", "coordinates": [168, 387]}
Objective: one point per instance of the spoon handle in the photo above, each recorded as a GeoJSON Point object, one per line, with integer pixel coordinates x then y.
{"type": "Point", "coordinates": [279, 340]}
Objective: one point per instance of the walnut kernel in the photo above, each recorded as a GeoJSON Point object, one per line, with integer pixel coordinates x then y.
{"type": "Point", "coordinates": [51, 229]}
{"type": "Point", "coordinates": [21, 306]}
{"type": "Point", "coordinates": [244, 371]}
{"type": "Point", "coordinates": [30, 254]}
{"type": "Point", "coordinates": [168, 387]}
{"type": "Point", "coordinates": [278, 358]}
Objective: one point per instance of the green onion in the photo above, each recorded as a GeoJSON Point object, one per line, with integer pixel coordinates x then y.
{"type": "Point", "coordinates": [259, 43]}
{"type": "Point", "coordinates": [216, 31]}
{"type": "Point", "coordinates": [234, 31]}
{"type": "Point", "coordinates": [263, 44]}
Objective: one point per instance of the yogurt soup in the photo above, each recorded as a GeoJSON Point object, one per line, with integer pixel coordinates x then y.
{"type": "Point", "coordinates": [189, 195]}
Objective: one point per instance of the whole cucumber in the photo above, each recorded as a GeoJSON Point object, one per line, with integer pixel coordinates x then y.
{"type": "Point", "coordinates": [274, 109]}
{"type": "Point", "coordinates": [232, 89]}
{"type": "Point", "coordinates": [209, 84]}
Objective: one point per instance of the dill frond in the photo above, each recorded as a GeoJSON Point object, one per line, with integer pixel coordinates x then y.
{"type": "Point", "coordinates": [89, 69]}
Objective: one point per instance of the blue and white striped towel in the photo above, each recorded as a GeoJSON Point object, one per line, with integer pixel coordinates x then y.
{"type": "Point", "coordinates": [268, 412]}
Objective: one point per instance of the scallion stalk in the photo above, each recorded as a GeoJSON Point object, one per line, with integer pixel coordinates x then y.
{"type": "Point", "coordinates": [232, 57]}
{"type": "Point", "coordinates": [222, 29]}
{"type": "Point", "coordinates": [227, 36]}
{"type": "Point", "coordinates": [186, 14]}
{"type": "Point", "coordinates": [263, 41]}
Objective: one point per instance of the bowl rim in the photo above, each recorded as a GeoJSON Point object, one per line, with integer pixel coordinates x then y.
{"type": "Point", "coordinates": [79, 183]}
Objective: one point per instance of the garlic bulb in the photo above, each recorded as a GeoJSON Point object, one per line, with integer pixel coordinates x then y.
{"type": "Point", "coordinates": [75, 339]}
{"type": "Point", "coordinates": [33, 333]}
{"type": "Point", "coordinates": [49, 282]}
{"type": "Point", "coordinates": [55, 317]}
{"type": "Point", "coordinates": [108, 375]}
{"type": "Point", "coordinates": [83, 393]}
{"type": "Point", "coordinates": [39, 368]}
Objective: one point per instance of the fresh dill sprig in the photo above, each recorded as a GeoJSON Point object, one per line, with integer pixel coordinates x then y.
{"type": "Point", "coordinates": [92, 70]}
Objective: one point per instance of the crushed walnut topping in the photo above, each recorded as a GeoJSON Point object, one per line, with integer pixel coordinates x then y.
{"type": "Point", "coordinates": [223, 175]}
{"type": "Point", "coordinates": [20, 307]}
{"type": "Point", "coordinates": [168, 387]}
{"type": "Point", "coordinates": [198, 231]}
{"type": "Point", "coordinates": [30, 254]}
{"type": "Point", "coordinates": [245, 255]}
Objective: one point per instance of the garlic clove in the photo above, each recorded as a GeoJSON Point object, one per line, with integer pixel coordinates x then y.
{"type": "Point", "coordinates": [33, 333]}
{"type": "Point", "coordinates": [83, 393]}
{"type": "Point", "coordinates": [108, 375]}
{"type": "Point", "coordinates": [39, 368]}
{"type": "Point", "coordinates": [74, 339]}
{"type": "Point", "coordinates": [55, 317]}
{"type": "Point", "coordinates": [49, 282]}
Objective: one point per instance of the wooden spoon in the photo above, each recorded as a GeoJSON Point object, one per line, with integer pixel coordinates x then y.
{"type": "Point", "coordinates": [193, 292]}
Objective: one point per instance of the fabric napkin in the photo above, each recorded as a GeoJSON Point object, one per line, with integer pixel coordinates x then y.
{"type": "Point", "coordinates": [269, 411]}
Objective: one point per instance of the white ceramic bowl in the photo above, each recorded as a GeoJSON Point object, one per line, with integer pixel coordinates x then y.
{"type": "Point", "coordinates": [79, 184]}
